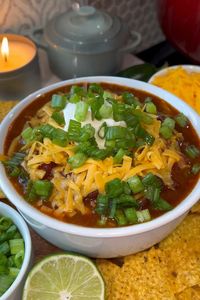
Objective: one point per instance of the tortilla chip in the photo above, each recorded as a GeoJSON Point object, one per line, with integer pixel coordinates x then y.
{"type": "Point", "coordinates": [192, 293]}
{"type": "Point", "coordinates": [108, 270]}
{"type": "Point", "coordinates": [183, 265]}
{"type": "Point", "coordinates": [143, 276]}
{"type": "Point", "coordinates": [188, 231]}
{"type": "Point", "coordinates": [5, 107]}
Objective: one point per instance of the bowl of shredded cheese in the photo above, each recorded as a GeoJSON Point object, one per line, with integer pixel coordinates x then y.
{"type": "Point", "coordinates": [182, 81]}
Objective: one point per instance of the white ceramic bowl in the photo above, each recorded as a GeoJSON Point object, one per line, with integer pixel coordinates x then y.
{"type": "Point", "coordinates": [15, 290]}
{"type": "Point", "coordinates": [98, 242]}
{"type": "Point", "coordinates": [188, 68]}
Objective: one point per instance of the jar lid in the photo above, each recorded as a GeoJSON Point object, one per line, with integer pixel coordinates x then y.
{"type": "Point", "coordinates": [86, 29]}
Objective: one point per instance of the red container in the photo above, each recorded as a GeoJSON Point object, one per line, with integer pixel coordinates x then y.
{"type": "Point", "coordinates": [180, 22]}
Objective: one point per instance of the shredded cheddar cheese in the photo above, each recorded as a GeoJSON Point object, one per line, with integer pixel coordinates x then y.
{"type": "Point", "coordinates": [184, 84]}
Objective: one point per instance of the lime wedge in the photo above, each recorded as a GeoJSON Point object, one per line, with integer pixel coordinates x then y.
{"type": "Point", "coordinates": [64, 277]}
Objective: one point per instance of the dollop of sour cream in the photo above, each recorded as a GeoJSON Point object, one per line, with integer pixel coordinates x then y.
{"type": "Point", "coordinates": [69, 112]}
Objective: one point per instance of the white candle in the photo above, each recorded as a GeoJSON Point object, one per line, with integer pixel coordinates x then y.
{"type": "Point", "coordinates": [19, 54]}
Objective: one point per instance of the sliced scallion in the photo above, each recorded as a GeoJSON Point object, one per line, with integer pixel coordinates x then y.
{"type": "Point", "coordinates": [192, 151]}
{"type": "Point", "coordinates": [181, 120]}
{"type": "Point", "coordinates": [81, 111]}
{"type": "Point", "coordinates": [77, 160]}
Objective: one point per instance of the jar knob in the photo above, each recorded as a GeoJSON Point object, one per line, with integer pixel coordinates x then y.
{"type": "Point", "coordinates": [86, 11]}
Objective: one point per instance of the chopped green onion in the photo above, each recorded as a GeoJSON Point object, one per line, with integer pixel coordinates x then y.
{"type": "Point", "coordinates": [58, 102]}
{"type": "Point", "coordinates": [27, 134]}
{"type": "Point", "coordinates": [131, 215]}
{"type": "Point", "coordinates": [110, 144]}
{"type": "Point", "coordinates": [81, 111]}
{"type": "Point", "coordinates": [114, 188]}
{"type": "Point", "coordinates": [77, 160]}
{"type": "Point", "coordinates": [113, 208]}
{"type": "Point", "coordinates": [119, 156]}
{"type": "Point", "coordinates": [13, 272]}
{"type": "Point", "coordinates": [143, 215]}
{"type": "Point", "coordinates": [4, 248]}
{"type": "Point", "coordinates": [5, 223]}
{"type": "Point", "coordinates": [3, 260]}
{"type": "Point", "coordinates": [16, 246]}
{"type": "Point", "coordinates": [196, 168]}
{"type": "Point", "coordinates": [105, 111]}
{"type": "Point", "coordinates": [130, 99]}
{"type": "Point", "coordinates": [87, 132]}
{"type": "Point", "coordinates": [5, 283]}
{"type": "Point", "coordinates": [74, 130]}
{"type": "Point", "coordinates": [60, 137]}
{"type": "Point", "coordinates": [18, 258]}
{"type": "Point", "coordinates": [102, 130]}
{"type": "Point", "coordinates": [151, 108]}
{"type": "Point", "coordinates": [95, 88]}
{"type": "Point", "coordinates": [43, 188]}
{"type": "Point", "coordinates": [162, 204]}
{"type": "Point", "coordinates": [151, 180]}
{"type": "Point", "coordinates": [95, 104]}
{"type": "Point", "coordinates": [101, 205]}
{"type": "Point", "coordinates": [127, 189]}
{"type": "Point", "coordinates": [166, 132]}
{"type": "Point", "coordinates": [135, 184]}
{"type": "Point", "coordinates": [117, 132]}
{"type": "Point", "coordinates": [142, 116]}
{"type": "Point", "coordinates": [169, 122]}
{"type": "Point", "coordinates": [58, 117]}
{"type": "Point", "coordinates": [118, 111]}
{"type": "Point", "coordinates": [192, 151]}
{"type": "Point", "coordinates": [120, 218]}
{"type": "Point", "coordinates": [107, 95]}
{"type": "Point", "coordinates": [181, 120]}
{"type": "Point", "coordinates": [126, 201]}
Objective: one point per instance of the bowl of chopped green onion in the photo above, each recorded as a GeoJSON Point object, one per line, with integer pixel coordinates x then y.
{"type": "Point", "coordinates": [15, 253]}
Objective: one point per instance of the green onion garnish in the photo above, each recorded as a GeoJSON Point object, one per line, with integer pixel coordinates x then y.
{"type": "Point", "coordinates": [169, 122]}
{"type": "Point", "coordinates": [143, 215]}
{"type": "Point", "coordinates": [58, 102]}
{"type": "Point", "coordinates": [135, 184]}
{"type": "Point", "coordinates": [151, 108]}
{"type": "Point", "coordinates": [131, 215]}
{"type": "Point", "coordinates": [58, 117]}
{"type": "Point", "coordinates": [181, 120]}
{"type": "Point", "coordinates": [166, 132]}
{"type": "Point", "coordinates": [77, 160]}
{"type": "Point", "coordinates": [196, 168]}
{"type": "Point", "coordinates": [192, 151]}
{"type": "Point", "coordinates": [81, 111]}
{"type": "Point", "coordinates": [43, 188]}
{"type": "Point", "coordinates": [105, 111]}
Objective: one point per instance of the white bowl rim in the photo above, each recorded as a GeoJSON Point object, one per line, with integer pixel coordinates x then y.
{"type": "Point", "coordinates": [28, 248]}
{"type": "Point", "coordinates": [190, 68]}
{"type": "Point", "coordinates": [77, 230]}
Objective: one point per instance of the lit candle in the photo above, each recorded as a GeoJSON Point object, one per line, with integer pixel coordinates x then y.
{"type": "Point", "coordinates": [19, 67]}
{"type": "Point", "coordinates": [15, 54]}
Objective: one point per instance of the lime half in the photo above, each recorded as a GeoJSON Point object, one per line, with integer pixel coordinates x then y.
{"type": "Point", "coordinates": [64, 277]}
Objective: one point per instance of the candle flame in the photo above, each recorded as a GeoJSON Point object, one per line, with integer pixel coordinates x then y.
{"type": "Point", "coordinates": [5, 49]}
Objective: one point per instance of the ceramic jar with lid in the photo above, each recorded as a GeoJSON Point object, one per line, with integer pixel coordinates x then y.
{"type": "Point", "coordinates": [85, 41]}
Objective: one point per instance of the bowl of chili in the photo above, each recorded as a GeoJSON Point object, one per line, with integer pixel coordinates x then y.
{"type": "Point", "coordinates": [141, 126]}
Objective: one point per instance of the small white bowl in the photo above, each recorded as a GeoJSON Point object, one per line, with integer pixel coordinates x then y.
{"type": "Point", "coordinates": [15, 290]}
{"type": "Point", "coordinates": [100, 242]}
{"type": "Point", "coordinates": [188, 68]}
